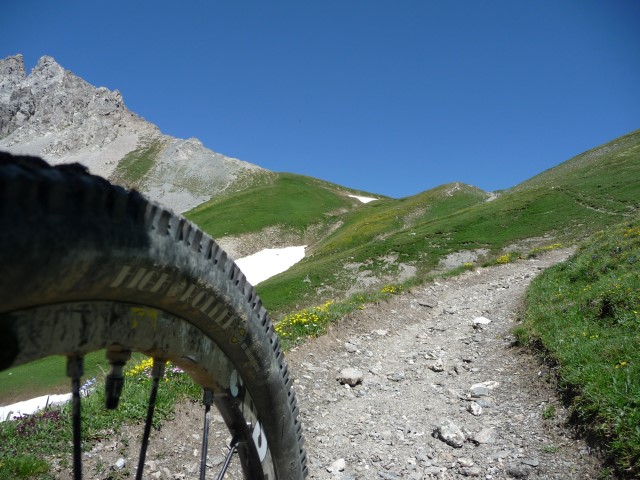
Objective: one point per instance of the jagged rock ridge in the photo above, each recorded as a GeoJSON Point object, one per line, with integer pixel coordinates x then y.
{"type": "Point", "coordinates": [57, 115]}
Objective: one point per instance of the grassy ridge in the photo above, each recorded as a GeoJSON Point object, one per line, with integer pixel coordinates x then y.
{"type": "Point", "coordinates": [586, 315]}
{"type": "Point", "coordinates": [564, 204]}
{"type": "Point", "coordinates": [293, 201]}
{"type": "Point", "coordinates": [457, 223]}
{"type": "Point", "coordinates": [393, 216]}
{"type": "Point", "coordinates": [604, 177]}
{"type": "Point", "coordinates": [368, 236]}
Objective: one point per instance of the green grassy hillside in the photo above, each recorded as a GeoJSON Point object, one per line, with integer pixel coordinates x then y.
{"type": "Point", "coordinates": [393, 239]}
{"type": "Point", "coordinates": [565, 204]}
{"type": "Point", "coordinates": [293, 201]}
{"type": "Point", "coordinates": [604, 178]}
{"type": "Point", "coordinates": [382, 237]}
{"type": "Point", "coordinates": [586, 314]}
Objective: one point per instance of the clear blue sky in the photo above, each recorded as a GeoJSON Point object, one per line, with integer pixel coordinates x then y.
{"type": "Point", "coordinates": [392, 97]}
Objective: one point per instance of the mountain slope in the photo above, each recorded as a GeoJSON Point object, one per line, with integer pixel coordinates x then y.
{"type": "Point", "coordinates": [380, 242]}
{"type": "Point", "coordinates": [376, 244]}
{"type": "Point", "coordinates": [282, 209]}
{"type": "Point", "coordinates": [55, 114]}
{"type": "Point", "coordinates": [604, 177]}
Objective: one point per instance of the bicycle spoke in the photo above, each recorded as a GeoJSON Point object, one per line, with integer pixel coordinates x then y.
{"type": "Point", "coordinates": [156, 373]}
{"type": "Point", "coordinates": [75, 369]}
{"type": "Point", "coordinates": [207, 400]}
{"type": "Point", "coordinates": [227, 460]}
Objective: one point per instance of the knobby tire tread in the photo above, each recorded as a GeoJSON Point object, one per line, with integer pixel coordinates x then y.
{"type": "Point", "coordinates": [29, 184]}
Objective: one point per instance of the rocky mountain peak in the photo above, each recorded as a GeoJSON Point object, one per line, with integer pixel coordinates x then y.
{"type": "Point", "coordinates": [59, 111]}
{"type": "Point", "coordinates": [57, 115]}
{"type": "Point", "coordinates": [12, 72]}
{"type": "Point", "coordinates": [11, 65]}
{"type": "Point", "coordinates": [46, 74]}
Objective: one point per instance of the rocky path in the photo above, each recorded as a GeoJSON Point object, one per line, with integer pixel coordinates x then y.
{"type": "Point", "coordinates": [412, 388]}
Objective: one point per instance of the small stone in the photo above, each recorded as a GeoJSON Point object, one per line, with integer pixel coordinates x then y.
{"type": "Point", "coordinates": [380, 333]}
{"type": "Point", "coordinates": [474, 409]}
{"type": "Point", "coordinates": [432, 470]}
{"type": "Point", "coordinates": [120, 463]}
{"type": "Point", "coordinates": [483, 389]}
{"type": "Point", "coordinates": [387, 475]}
{"type": "Point", "coordinates": [518, 471]}
{"type": "Point", "coordinates": [465, 462]}
{"type": "Point", "coordinates": [484, 436]}
{"type": "Point", "coordinates": [481, 321]}
{"type": "Point", "coordinates": [376, 369]}
{"type": "Point", "coordinates": [350, 376]}
{"type": "Point", "coordinates": [351, 348]}
{"type": "Point", "coordinates": [480, 391]}
{"type": "Point", "coordinates": [396, 377]}
{"type": "Point", "coordinates": [485, 402]}
{"type": "Point", "coordinates": [471, 471]}
{"type": "Point", "coordinates": [438, 365]}
{"type": "Point", "coordinates": [453, 393]}
{"type": "Point", "coordinates": [532, 462]}
{"type": "Point", "coordinates": [337, 466]}
{"type": "Point", "coordinates": [423, 302]}
{"type": "Point", "coordinates": [451, 434]}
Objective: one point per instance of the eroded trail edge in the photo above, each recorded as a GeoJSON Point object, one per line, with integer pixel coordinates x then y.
{"type": "Point", "coordinates": [430, 385]}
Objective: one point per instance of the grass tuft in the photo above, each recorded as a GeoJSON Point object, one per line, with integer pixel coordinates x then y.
{"type": "Point", "coordinates": [133, 168]}
{"type": "Point", "coordinates": [585, 313]}
{"type": "Point", "coordinates": [314, 321]}
{"type": "Point", "coordinates": [22, 466]}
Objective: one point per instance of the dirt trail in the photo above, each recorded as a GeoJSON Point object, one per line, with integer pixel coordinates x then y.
{"type": "Point", "coordinates": [435, 397]}
{"type": "Point", "coordinates": [415, 415]}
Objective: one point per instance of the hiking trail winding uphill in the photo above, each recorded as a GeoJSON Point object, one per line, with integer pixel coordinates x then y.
{"type": "Point", "coordinates": [433, 396]}
{"type": "Point", "coordinates": [439, 397]}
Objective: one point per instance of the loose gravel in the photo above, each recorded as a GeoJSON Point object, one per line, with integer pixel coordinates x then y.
{"type": "Point", "coordinates": [427, 385]}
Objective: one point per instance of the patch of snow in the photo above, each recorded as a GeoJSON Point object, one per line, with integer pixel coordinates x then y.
{"type": "Point", "coordinates": [363, 199]}
{"type": "Point", "coordinates": [269, 262]}
{"type": "Point", "coordinates": [29, 407]}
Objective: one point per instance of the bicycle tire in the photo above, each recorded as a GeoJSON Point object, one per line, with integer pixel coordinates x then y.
{"type": "Point", "coordinates": [87, 265]}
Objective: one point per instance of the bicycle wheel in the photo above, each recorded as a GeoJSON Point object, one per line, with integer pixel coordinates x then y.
{"type": "Point", "coordinates": [86, 265]}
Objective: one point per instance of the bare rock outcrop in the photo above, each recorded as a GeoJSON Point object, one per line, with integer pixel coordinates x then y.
{"type": "Point", "coordinates": [57, 115]}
